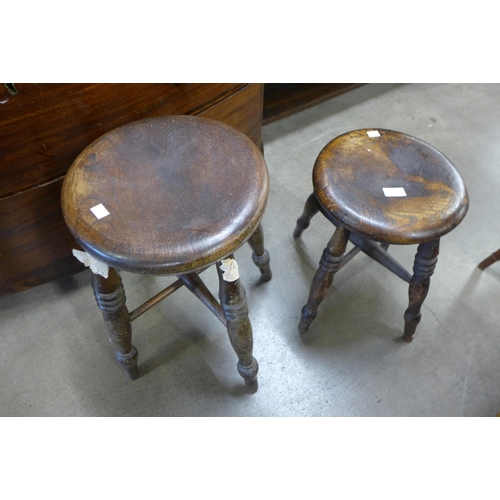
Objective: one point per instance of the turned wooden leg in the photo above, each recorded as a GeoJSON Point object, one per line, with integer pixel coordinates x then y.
{"type": "Point", "coordinates": [494, 257]}
{"type": "Point", "coordinates": [328, 266]}
{"type": "Point", "coordinates": [234, 305]}
{"type": "Point", "coordinates": [110, 297]}
{"type": "Point", "coordinates": [311, 208]}
{"type": "Point", "coordinates": [260, 255]}
{"type": "Point", "coordinates": [425, 262]}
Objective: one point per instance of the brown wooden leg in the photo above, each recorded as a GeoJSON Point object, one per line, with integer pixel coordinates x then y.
{"type": "Point", "coordinates": [196, 286]}
{"type": "Point", "coordinates": [425, 262]}
{"type": "Point", "coordinates": [494, 257]}
{"type": "Point", "coordinates": [110, 297]}
{"type": "Point", "coordinates": [328, 266]}
{"type": "Point", "coordinates": [234, 304]}
{"type": "Point", "coordinates": [260, 255]}
{"type": "Point", "coordinates": [311, 208]}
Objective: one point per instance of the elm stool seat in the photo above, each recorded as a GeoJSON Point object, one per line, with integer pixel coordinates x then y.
{"type": "Point", "coordinates": [170, 195]}
{"type": "Point", "coordinates": [379, 188]}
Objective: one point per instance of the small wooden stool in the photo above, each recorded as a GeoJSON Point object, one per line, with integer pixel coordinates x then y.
{"type": "Point", "coordinates": [170, 196]}
{"type": "Point", "coordinates": [380, 187]}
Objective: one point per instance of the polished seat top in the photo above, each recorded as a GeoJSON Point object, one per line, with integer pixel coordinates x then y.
{"type": "Point", "coordinates": [353, 171]}
{"type": "Point", "coordinates": [182, 192]}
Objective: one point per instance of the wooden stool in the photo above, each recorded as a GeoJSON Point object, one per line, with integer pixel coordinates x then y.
{"type": "Point", "coordinates": [380, 187]}
{"type": "Point", "coordinates": [170, 196]}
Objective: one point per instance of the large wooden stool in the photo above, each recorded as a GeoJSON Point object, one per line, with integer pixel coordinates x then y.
{"type": "Point", "coordinates": [380, 187]}
{"type": "Point", "coordinates": [170, 196]}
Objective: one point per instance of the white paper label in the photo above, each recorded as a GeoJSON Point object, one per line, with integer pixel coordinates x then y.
{"type": "Point", "coordinates": [394, 192]}
{"type": "Point", "coordinates": [99, 211]}
{"type": "Point", "coordinates": [230, 269]}
{"type": "Point", "coordinates": [373, 133]}
{"type": "Point", "coordinates": [96, 266]}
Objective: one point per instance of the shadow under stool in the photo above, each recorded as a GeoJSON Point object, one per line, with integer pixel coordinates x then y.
{"type": "Point", "coordinates": [379, 188]}
{"type": "Point", "coordinates": [171, 195]}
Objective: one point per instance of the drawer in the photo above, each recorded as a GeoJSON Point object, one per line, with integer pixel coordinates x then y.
{"type": "Point", "coordinates": [45, 126]}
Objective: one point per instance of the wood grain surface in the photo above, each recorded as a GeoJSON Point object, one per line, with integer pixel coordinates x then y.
{"type": "Point", "coordinates": [352, 170]}
{"type": "Point", "coordinates": [182, 192]}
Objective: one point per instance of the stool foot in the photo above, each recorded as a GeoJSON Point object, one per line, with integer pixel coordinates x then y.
{"type": "Point", "coordinates": [110, 297]}
{"type": "Point", "coordinates": [249, 374]}
{"type": "Point", "coordinates": [234, 305]}
{"type": "Point", "coordinates": [328, 266]}
{"type": "Point", "coordinates": [128, 362]}
{"type": "Point", "coordinates": [311, 208]}
{"type": "Point", "coordinates": [423, 268]}
{"type": "Point", "coordinates": [307, 317]}
{"type": "Point", "coordinates": [260, 255]}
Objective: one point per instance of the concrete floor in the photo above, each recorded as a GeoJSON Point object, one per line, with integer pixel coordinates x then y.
{"type": "Point", "coordinates": [55, 359]}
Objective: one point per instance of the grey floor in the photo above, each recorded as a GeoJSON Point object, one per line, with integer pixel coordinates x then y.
{"type": "Point", "coordinates": [55, 359]}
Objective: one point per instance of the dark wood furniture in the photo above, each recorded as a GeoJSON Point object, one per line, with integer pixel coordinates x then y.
{"type": "Point", "coordinates": [426, 199]}
{"type": "Point", "coordinates": [179, 194]}
{"type": "Point", "coordinates": [43, 128]}
{"type": "Point", "coordinates": [283, 99]}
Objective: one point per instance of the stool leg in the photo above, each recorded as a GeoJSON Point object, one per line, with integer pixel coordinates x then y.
{"type": "Point", "coordinates": [425, 262]}
{"type": "Point", "coordinates": [110, 297]}
{"type": "Point", "coordinates": [494, 257]}
{"type": "Point", "coordinates": [234, 305]}
{"type": "Point", "coordinates": [328, 266]}
{"type": "Point", "coordinates": [260, 255]}
{"type": "Point", "coordinates": [311, 208]}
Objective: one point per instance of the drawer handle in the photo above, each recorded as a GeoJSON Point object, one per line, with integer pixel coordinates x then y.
{"type": "Point", "coordinates": [11, 88]}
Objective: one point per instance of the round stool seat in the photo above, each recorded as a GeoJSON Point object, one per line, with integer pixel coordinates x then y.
{"type": "Point", "coordinates": [352, 174]}
{"type": "Point", "coordinates": [181, 193]}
